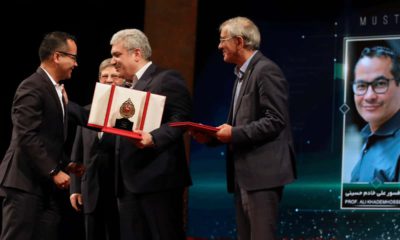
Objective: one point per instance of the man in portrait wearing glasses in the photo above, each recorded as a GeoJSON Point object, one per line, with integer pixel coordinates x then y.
{"type": "Point", "coordinates": [377, 98]}
{"type": "Point", "coordinates": [34, 168]}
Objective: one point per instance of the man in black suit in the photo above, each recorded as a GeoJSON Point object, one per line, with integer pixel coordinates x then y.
{"type": "Point", "coordinates": [95, 191]}
{"type": "Point", "coordinates": [32, 168]}
{"type": "Point", "coordinates": [260, 155]}
{"type": "Point", "coordinates": [152, 172]}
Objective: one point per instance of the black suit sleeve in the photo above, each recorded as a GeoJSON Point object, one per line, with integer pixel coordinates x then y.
{"type": "Point", "coordinates": [77, 114]}
{"type": "Point", "coordinates": [177, 108]}
{"type": "Point", "coordinates": [76, 156]}
{"type": "Point", "coordinates": [27, 118]}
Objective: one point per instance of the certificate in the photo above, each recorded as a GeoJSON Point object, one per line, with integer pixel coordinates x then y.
{"type": "Point", "coordinates": [120, 111]}
{"type": "Point", "coordinates": [195, 127]}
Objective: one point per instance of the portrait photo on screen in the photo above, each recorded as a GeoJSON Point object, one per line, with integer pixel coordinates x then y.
{"type": "Point", "coordinates": [371, 132]}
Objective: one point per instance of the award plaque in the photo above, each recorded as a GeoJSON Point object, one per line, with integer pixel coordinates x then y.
{"type": "Point", "coordinates": [127, 110]}
{"type": "Point", "coordinates": [121, 111]}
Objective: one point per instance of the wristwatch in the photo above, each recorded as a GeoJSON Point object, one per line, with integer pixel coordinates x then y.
{"type": "Point", "coordinates": [54, 171]}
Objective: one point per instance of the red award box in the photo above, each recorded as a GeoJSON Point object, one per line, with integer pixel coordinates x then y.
{"type": "Point", "coordinates": [121, 110]}
{"type": "Point", "coordinates": [196, 127]}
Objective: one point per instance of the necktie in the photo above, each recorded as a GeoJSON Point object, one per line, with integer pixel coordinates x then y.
{"type": "Point", "coordinates": [60, 96]}
{"type": "Point", "coordinates": [130, 83]}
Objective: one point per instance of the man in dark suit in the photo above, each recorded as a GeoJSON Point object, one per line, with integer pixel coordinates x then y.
{"type": "Point", "coordinates": [260, 155]}
{"type": "Point", "coordinates": [33, 166]}
{"type": "Point", "coordinates": [95, 191]}
{"type": "Point", "coordinates": [152, 172]}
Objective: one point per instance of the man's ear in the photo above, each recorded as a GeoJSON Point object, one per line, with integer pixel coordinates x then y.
{"type": "Point", "coordinates": [240, 41]}
{"type": "Point", "coordinates": [137, 54]}
{"type": "Point", "coordinates": [56, 57]}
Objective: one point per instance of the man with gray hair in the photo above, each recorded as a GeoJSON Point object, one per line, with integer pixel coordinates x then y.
{"type": "Point", "coordinates": [152, 172]}
{"type": "Point", "coordinates": [260, 153]}
{"type": "Point", "coordinates": [94, 192]}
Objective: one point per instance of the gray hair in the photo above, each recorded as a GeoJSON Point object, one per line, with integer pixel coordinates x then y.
{"type": "Point", "coordinates": [133, 39]}
{"type": "Point", "coordinates": [105, 64]}
{"type": "Point", "coordinates": [243, 27]}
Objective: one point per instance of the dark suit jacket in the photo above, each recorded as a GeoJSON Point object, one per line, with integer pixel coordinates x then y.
{"type": "Point", "coordinates": [98, 157]}
{"type": "Point", "coordinates": [261, 154]}
{"type": "Point", "coordinates": [163, 166]}
{"type": "Point", "coordinates": [38, 135]}
{"type": "Point", "coordinates": [37, 144]}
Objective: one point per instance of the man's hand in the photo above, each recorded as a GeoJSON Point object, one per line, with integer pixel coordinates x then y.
{"type": "Point", "coordinates": [76, 201]}
{"type": "Point", "coordinates": [146, 141]}
{"type": "Point", "coordinates": [224, 133]}
{"type": "Point", "coordinates": [61, 179]}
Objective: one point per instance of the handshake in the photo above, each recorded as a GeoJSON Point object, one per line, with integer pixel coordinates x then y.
{"type": "Point", "coordinates": [75, 168]}
{"type": "Point", "coordinates": [61, 179]}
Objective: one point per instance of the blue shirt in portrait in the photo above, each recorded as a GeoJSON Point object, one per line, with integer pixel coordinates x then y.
{"type": "Point", "coordinates": [380, 155]}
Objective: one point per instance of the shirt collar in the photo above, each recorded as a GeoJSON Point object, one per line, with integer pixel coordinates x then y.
{"type": "Point", "coordinates": [240, 72]}
{"type": "Point", "coordinates": [51, 79]}
{"type": "Point", "coordinates": [388, 128]}
{"type": "Point", "coordinates": [141, 71]}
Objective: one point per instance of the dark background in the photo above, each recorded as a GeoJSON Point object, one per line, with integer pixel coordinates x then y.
{"type": "Point", "coordinates": [304, 38]}
{"type": "Point", "coordinates": [24, 24]}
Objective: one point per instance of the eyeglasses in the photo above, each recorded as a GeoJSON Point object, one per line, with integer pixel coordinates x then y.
{"type": "Point", "coordinates": [113, 76]}
{"type": "Point", "coordinates": [379, 85]}
{"type": "Point", "coordinates": [72, 56]}
{"type": "Point", "coordinates": [221, 40]}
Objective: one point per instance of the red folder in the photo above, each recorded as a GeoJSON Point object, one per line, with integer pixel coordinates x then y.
{"type": "Point", "coordinates": [196, 127]}
{"type": "Point", "coordinates": [106, 103]}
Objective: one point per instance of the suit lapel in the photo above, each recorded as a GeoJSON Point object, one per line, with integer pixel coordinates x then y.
{"type": "Point", "coordinates": [52, 90]}
{"type": "Point", "coordinates": [245, 82]}
{"type": "Point", "coordinates": [231, 110]}
{"type": "Point", "coordinates": [53, 93]}
{"type": "Point", "coordinates": [145, 79]}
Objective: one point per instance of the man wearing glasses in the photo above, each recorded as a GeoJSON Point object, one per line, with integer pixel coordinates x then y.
{"type": "Point", "coordinates": [377, 98]}
{"type": "Point", "coordinates": [260, 153]}
{"type": "Point", "coordinates": [33, 170]}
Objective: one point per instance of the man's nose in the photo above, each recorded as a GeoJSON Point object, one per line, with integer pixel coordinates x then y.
{"type": "Point", "coordinates": [370, 93]}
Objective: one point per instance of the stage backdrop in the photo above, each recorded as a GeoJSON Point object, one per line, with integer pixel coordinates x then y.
{"type": "Point", "coordinates": [310, 48]}
{"type": "Point", "coordinates": [305, 38]}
